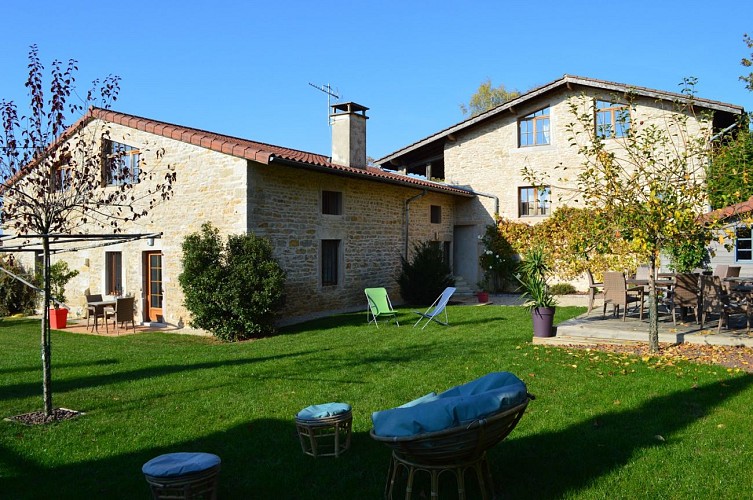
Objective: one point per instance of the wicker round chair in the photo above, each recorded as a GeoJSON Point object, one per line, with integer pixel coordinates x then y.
{"type": "Point", "coordinates": [451, 450]}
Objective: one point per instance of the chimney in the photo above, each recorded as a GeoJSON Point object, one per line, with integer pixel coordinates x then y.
{"type": "Point", "coordinates": [349, 134]}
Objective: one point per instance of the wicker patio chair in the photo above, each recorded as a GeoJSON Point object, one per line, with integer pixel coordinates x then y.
{"type": "Point", "coordinates": [686, 292]}
{"type": "Point", "coordinates": [721, 270]}
{"type": "Point", "coordinates": [593, 290]}
{"type": "Point", "coordinates": [619, 295]}
{"type": "Point", "coordinates": [122, 313]}
{"type": "Point", "coordinates": [454, 450]}
{"type": "Point", "coordinates": [716, 301]}
{"type": "Point", "coordinates": [91, 310]}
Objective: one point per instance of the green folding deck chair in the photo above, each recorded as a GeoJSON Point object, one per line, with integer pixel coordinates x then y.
{"type": "Point", "coordinates": [379, 305]}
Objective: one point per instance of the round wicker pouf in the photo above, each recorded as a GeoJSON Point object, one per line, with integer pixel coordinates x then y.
{"type": "Point", "coordinates": [183, 475]}
{"type": "Point", "coordinates": [324, 430]}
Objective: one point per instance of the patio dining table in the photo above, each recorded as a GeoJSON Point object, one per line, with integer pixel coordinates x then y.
{"type": "Point", "coordinates": [99, 308]}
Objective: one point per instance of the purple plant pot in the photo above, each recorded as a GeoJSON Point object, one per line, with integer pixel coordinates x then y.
{"type": "Point", "coordinates": [543, 320]}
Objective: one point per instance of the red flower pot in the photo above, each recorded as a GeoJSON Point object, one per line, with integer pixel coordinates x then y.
{"type": "Point", "coordinates": [483, 297]}
{"type": "Point", "coordinates": [58, 318]}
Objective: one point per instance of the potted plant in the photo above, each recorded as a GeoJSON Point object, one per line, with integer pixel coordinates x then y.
{"type": "Point", "coordinates": [483, 293]}
{"type": "Point", "coordinates": [60, 275]}
{"type": "Point", "coordinates": [540, 301]}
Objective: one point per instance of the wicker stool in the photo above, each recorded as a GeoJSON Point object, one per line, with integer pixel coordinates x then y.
{"type": "Point", "coordinates": [183, 475]}
{"type": "Point", "coordinates": [324, 430]}
{"type": "Point", "coordinates": [434, 470]}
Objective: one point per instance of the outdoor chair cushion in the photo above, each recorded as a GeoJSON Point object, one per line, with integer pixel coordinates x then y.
{"type": "Point", "coordinates": [459, 405]}
{"type": "Point", "coordinates": [323, 411]}
{"type": "Point", "coordinates": [179, 464]}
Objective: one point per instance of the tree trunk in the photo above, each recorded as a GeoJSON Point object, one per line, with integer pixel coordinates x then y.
{"type": "Point", "coordinates": [46, 348]}
{"type": "Point", "coordinates": [653, 307]}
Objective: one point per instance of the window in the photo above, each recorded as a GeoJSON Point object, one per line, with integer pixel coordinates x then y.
{"type": "Point", "coordinates": [332, 202]}
{"type": "Point", "coordinates": [612, 120]}
{"type": "Point", "coordinates": [330, 262]}
{"type": "Point", "coordinates": [533, 130]}
{"type": "Point", "coordinates": [113, 273]}
{"type": "Point", "coordinates": [61, 174]}
{"type": "Point", "coordinates": [743, 245]}
{"type": "Point", "coordinates": [535, 201]}
{"type": "Point", "coordinates": [121, 164]}
{"type": "Point", "coordinates": [435, 214]}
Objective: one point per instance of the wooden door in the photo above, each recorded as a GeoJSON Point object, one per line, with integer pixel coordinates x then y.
{"type": "Point", "coordinates": [154, 286]}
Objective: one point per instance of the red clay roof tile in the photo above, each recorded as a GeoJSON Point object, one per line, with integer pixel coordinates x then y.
{"type": "Point", "coordinates": [257, 151]}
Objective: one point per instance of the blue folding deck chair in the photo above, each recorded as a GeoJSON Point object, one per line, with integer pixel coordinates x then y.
{"type": "Point", "coordinates": [379, 305]}
{"type": "Point", "coordinates": [436, 309]}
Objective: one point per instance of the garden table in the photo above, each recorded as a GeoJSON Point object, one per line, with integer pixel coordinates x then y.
{"type": "Point", "coordinates": [99, 309]}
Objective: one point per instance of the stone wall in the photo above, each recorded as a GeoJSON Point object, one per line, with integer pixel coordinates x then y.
{"type": "Point", "coordinates": [285, 206]}
{"type": "Point", "coordinates": [279, 202]}
{"type": "Point", "coordinates": [487, 159]}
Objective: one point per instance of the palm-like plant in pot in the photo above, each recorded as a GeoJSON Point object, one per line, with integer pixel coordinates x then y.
{"type": "Point", "coordinates": [534, 283]}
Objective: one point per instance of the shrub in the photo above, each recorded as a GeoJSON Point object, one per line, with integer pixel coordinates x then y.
{"type": "Point", "coordinates": [562, 289]}
{"type": "Point", "coordinates": [15, 296]}
{"type": "Point", "coordinates": [499, 260]}
{"type": "Point", "coordinates": [60, 275]}
{"type": "Point", "coordinates": [235, 289]}
{"type": "Point", "coordinates": [425, 277]}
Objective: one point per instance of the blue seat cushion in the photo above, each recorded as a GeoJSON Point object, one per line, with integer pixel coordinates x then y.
{"type": "Point", "coordinates": [325, 410]}
{"type": "Point", "coordinates": [179, 464]}
{"type": "Point", "coordinates": [492, 393]}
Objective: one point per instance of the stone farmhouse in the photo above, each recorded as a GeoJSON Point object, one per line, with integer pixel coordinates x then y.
{"type": "Point", "coordinates": [337, 225]}
{"type": "Point", "coordinates": [486, 153]}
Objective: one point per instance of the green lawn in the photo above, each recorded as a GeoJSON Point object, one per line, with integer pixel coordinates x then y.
{"type": "Point", "coordinates": [602, 426]}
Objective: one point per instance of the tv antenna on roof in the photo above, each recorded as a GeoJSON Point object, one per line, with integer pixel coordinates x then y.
{"type": "Point", "coordinates": [327, 89]}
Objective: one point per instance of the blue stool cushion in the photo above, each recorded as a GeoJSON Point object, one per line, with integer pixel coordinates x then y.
{"type": "Point", "coordinates": [179, 464]}
{"type": "Point", "coordinates": [459, 405]}
{"type": "Point", "coordinates": [325, 410]}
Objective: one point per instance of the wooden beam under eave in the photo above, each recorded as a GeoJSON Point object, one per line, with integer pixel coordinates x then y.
{"type": "Point", "coordinates": [451, 137]}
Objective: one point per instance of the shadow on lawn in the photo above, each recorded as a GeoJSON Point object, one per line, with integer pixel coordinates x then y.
{"type": "Point", "coordinates": [100, 379]}
{"type": "Point", "coordinates": [559, 463]}
{"type": "Point", "coordinates": [37, 366]}
{"type": "Point", "coordinates": [263, 459]}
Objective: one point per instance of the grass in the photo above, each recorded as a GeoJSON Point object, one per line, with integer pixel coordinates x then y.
{"type": "Point", "coordinates": [602, 426]}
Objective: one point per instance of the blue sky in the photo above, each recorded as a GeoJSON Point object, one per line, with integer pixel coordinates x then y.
{"type": "Point", "coordinates": [243, 68]}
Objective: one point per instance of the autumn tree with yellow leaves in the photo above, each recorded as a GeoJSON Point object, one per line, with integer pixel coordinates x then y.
{"type": "Point", "coordinates": [649, 184]}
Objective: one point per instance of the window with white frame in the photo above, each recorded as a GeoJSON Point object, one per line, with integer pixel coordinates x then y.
{"type": "Point", "coordinates": [533, 129]}
{"type": "Point", "coordinates": [121, 164]}
{"type": "Point", "coordinates": [743, 244]}
{"type": "Point", "coordinates": [612, 120]}
{"type": "Point", "coordinates": [534, 201]}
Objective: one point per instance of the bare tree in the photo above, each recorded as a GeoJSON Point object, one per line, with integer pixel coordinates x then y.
{"type": "Point", "coordinates": [53, 174]}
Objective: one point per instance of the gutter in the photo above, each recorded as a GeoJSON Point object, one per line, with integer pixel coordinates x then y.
{"type": "Point", "coordinates": [496, 201]}
{"type": "Point", "coordinates": [407, 217]}
{"type": "Point", "coordinates": [717, 136]}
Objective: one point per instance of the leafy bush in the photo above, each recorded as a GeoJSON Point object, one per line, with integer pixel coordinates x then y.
{"type": "Point", "coordinates": [425, 277]}
{"type": "Point", "coordinates": [235, 289]}
{"type": "Point", "coordinates": [562, 289]}
{"type": "Point", "coordinates": [690, 254]}
{"type": "Point", "coordinates": [16, 297]}
{"type": "Point", "coordinates": [499, 260]}
{"type": "Point", "coordinates": [60, 275]}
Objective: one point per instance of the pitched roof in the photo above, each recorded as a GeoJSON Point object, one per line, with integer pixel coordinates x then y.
{"type": "Point", "coordinates": [730, 211]}
{"type": "Point", "coordinates": [568, 81]}
{"type": "Point", "coordinates": [261, 152]}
